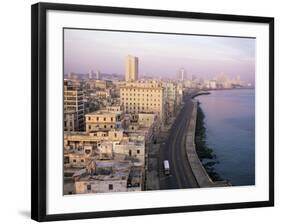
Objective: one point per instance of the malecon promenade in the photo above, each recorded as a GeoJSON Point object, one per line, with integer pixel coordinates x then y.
{"type": "Point", "coordinates": [187, 170]}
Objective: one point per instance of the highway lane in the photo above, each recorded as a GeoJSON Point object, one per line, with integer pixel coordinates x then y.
{"type": "Point", "coordinates": [174, 150]}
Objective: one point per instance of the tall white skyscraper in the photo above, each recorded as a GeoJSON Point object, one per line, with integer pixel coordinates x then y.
{"type": "Point", "coordinates": [182, 74]}
{"type": "Point", "coordinates": [90, 74]}
{"type": "Point", "coordinates": [132, 67]}
{"type": "Point", "coordinates": [97, 75]}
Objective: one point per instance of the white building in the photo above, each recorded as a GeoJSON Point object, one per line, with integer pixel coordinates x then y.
{"type": "Point", "coordinates": [108, 176]}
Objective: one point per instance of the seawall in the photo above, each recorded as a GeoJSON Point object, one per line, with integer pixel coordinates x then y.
{"type": "Point", "coordinates": [198, 170]}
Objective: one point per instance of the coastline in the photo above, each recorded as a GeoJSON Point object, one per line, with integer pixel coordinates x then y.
{"type": "Point", "coordinates": [205, 153]}
{"type": "Point", "coordinates": [228, 134]}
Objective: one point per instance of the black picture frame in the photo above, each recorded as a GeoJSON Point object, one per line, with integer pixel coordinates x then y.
{"type": "Point", "coordinates": [38, 110]}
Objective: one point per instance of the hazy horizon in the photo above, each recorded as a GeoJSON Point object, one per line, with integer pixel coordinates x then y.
{"type": "Point", "coordinates": [159, 54]}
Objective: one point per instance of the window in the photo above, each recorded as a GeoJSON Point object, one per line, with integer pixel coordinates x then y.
{"type": "Point", "coordinates": [74, 160]}
{"type": "Point", "coordinates": [97, 118]}
{"type": "Point", "coordinates": [110, 186]}
{"type": "Point", "coordinates": [104, 119]}
{"type": "Point", "coordinates": [89, 118]}
{"type": "Point", "coordinates": [89, 187]}
{"type": "Point", "coordinates": [112, 119]}
{"type": "Point", "coordinates": [89, 127]}
{"type": "Point", "coordinates": [138, 151]}
{"type": "Point", "coordinates": [82, 160]}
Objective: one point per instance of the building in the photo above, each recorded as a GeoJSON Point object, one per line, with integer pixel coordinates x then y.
{"type": "Point", "coordinates": [114, 108]}
{"type": "Point", "coordinates": [132, 150]}
{"type": "Point", "coordinates": [213, 84]}
{"type": "Point", "coordinates": [108, 176]}
{"type": "Point", "coordinates": [103, 120]}
{"type": "Point", "coordinates": [97, 75]}
{"type": "Point", "coordinates": [105, 149]}
{"type": "Point", "coordinates": [145, 96]}
{"type": "Point", "coordinates": [73, 107]}
{"type": "Point", "coordinates": [182, 74]}
{"type": "Point", "coordinates": [101, 84]}
{"type": "Point", "coordinates": [170, 92]}
{"type": "Point", "coordinates": [78, 140]}
{"type": "Point", "coordinates": [147, 120]}
{"type": "Point", "coordinates": [90, 75]}
{"type": "Point", "coordinates": [131, 70]}
{"type": "Point", "coordinates": [75, 159]}
{"type": "Point", "coordinates": [179, 94]}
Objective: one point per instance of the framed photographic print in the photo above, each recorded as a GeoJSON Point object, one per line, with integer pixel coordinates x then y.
{"type": "Point", "coordinates": [140, 111]}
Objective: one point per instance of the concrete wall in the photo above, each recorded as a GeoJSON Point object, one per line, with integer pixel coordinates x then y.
{"type": "Point", "coordinates": [199, 171]}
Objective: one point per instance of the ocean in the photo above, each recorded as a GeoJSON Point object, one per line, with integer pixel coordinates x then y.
{"type": "Point", "coordinates": [230, 132]}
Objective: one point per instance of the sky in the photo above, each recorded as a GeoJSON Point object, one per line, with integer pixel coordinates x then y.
{"type": "Point", "coordinates": [160, 55]}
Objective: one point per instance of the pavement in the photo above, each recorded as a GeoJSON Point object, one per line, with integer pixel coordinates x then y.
{"type": "Point", "coordinates": [173, 150]}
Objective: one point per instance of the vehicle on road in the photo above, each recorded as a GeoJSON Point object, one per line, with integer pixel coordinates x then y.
{"type": "Point", "coordinates": [166, 167]}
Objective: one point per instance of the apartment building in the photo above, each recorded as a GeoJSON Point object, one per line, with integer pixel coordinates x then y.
{"type": "Point", "coordinates": [143, 96]}
{"type": "Point", "coordinates": [103, 120]}
{"type": "Point", "coordinates": [73, 106]}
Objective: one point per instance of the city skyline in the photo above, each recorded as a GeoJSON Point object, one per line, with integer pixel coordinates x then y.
{"type": "Point", "coordinates": [159, 54]}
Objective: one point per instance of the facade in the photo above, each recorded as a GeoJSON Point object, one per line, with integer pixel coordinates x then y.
{"type": "Point", "coordinates": [143, 97]}
{"type": "Point", "coordinates": [102, 184]}
{"type": "Point", "coordinates": [70, 121]}
{"type": "Point", "coordinates": [170, 91]}
{"type": "Point", "coordinates": [179, 94]}
{"type": "Point", "coordinates": [79, 140]}
{"type": "Point", "coordinates": [76, 159]}
{"type": "Point", "coordinates": [147, 120]}
{"type": "Point", "coordinates": [73, 107]}
{"type": "Point", "coordinates": [100, 84]}
{"type": "Point", "coordinates": [108, 176]}
{"type": "Point", "coordinates": [131, 70]}
{"type": "Point", "coordinates": [182, 74]}
{"type": "Point", "coordinates": [133, 150]}
{"type": "Point", "coordinates": [103, 120]}
{"type": "Point", "coordinates": [105, 149]}
{"type": "Point", "coordinates": [213, 84]}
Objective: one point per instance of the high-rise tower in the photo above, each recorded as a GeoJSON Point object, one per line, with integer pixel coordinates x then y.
{"type": "Point", "coordinates": [132, 67]}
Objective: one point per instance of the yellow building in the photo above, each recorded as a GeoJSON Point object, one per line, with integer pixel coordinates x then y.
{"type": "Point", "coordinates": [132, 64]}
{"type": "Point", "coordinates": [79, 140]}
{"type": "Point", "coordinates": [146, 96]}
{"type": "Point", "coordinates": [103, 120]}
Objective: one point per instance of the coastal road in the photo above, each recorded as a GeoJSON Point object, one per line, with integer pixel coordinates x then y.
{"type": "Point", "coordinates": [173, 150]}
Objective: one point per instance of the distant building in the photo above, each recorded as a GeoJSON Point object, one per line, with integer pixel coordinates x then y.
{"type": "Point", "coordinates": [170, 92]}
{"type": "Point", "coordinates": [97, 75]}
{"type": "Point", "coordinates": [131, 70]}
{"type": "Point", "coordinates": [213, 84]}
{"type": "Point", "coordinates": [90, 74]}
{"type": "Point", "coordinates": [101, 84]}
{"type": "Point", "coordinates": [182, 74]}
{"type": "Point", "coordinates": [73, 107]}
{"type": "Point", "coordinates": [70, 75]}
